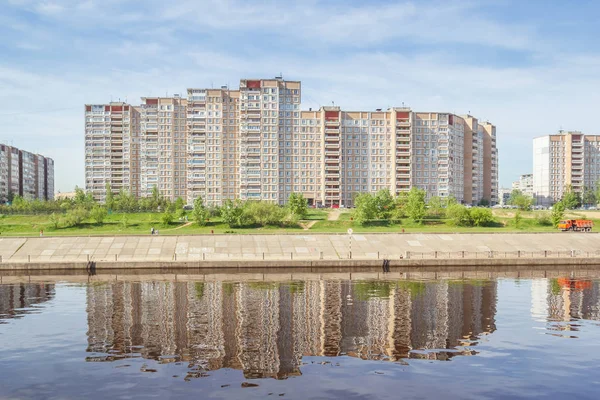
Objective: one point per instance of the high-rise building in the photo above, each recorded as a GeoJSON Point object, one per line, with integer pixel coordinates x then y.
{"type": "Point", "coordinates": [255, 143]}
{"type": "Point", "coordinates": [111, 148]}
{"type": "Point", "coordinates": [562, 161]}
{"type": "Point", "coordinates": [25, 174]}
{"type": "Point", "coordinates": [524, 184]}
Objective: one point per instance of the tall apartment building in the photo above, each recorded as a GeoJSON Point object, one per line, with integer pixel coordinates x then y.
{"type": "Point", "coordinates": [163, 146]}
{"type": "Point", "coordinates": [255, 143]}
{"type": "Point", "coordinates": [111, 148]}
{"type": "Point", "coordinates": [567, 159]}
{"type": "Point", "coordinates": [25, 174]}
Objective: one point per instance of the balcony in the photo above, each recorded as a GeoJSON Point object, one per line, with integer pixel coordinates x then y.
{"type": "Point", "coordinates": [331, 122]}
{"type": "Point", "coordinates": [402, 122]}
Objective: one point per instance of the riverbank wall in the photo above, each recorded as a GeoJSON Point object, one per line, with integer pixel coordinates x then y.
{"type": "Point", "coordinates": [238, 252]}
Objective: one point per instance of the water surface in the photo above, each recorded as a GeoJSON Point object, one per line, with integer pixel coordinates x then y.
{"type": "Point", "coordinates": [312, 338]}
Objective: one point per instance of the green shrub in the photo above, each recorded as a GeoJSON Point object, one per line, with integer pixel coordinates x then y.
{"type": "Point", "coordinates": [481, 216]}
{"type": "Point", "coordinates": [459, 215]}
{"type": "Point", "coordinates": [98, 214]}
{"type": "Point", "coordinates": [167, 218]}
{"type": "Point", "coordinates": [543, 219]}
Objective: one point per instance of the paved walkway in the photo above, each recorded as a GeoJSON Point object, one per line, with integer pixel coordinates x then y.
{"type": "Point", "coordinates": [334, 214]}
{"type": "Point", "coordinates": [296, 247]}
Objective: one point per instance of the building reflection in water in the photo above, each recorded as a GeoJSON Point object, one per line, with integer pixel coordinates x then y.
{"type": "Point", "coordinates": [18, 300]}
{"type": "Point", "coordinates": [564, 301]}
{"type": "Point", "coordinates": [265, 329]}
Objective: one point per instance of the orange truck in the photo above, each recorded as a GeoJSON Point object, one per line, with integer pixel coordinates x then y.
{"type": "Point", "coordinates": [581, 225]}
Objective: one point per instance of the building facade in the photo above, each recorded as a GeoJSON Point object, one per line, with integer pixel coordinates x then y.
{"type": "Point", "coordinates": [255, 143]}
{"type": "Point", "coordinates": [562, 161]}
{"type": "Point", "coordinates": [524, 184]}
{"type": "Point", "coordinates": [25, 174]}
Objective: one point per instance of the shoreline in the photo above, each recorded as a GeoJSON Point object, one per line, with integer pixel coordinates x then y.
{"type": "Point", "coordinates": [238, 252]}
{"type": "Point", "coordinates": [288, 274]}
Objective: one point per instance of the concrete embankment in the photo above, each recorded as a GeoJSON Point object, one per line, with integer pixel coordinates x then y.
{"type": "Point", "coordinates": [237, 252]}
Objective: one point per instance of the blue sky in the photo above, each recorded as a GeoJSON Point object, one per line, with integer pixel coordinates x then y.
{"type": "Point", "coordinates": [531, 67]}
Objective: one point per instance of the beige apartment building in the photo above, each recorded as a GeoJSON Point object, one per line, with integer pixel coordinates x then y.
{"type": "Point", "coordinates": [112, 148]}
{"type": "Point", "coordinates": [567, 159]}
{"type": "Point", "coordinates": [26, 174]}
{"type": "Point", "coordinates": [255, 143]}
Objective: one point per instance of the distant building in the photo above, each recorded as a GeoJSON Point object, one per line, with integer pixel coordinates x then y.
{"type": "Point", "coordinates": [25, 174]}
{"type": "Point", "coordinates": [524, 184]}
{"type": "Point", "coordinates": [567, 159]}
{"type": "Point", "coordinates": [504, 195]}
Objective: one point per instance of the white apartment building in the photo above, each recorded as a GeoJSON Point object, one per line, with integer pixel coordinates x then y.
{"type": "Point", "coordinates": [25, 174]}
{"type": "Point", "coordinates": [256, 144]}
{"type": "Point", "coordinates": [567, 159]}
{"type": "Point", "coordinates": [524, 184]}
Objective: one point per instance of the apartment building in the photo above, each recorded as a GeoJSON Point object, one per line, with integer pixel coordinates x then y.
{"type": "Point", "coordinates": [111, 148]}
{"type": "Point", "coordinates": [255, 143]}
{"type": "Point", "coordinates": [524, 184]}
{"type": "Point", "coordinates": [163, 146]}
{"type": "Point", "coordinates": [567, 159]}
{"type": "Point", "coordinates": [25, 174]}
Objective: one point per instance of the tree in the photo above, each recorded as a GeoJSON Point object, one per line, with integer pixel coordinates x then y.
{"type": "Point", "coordinates": [520, 200]}
{"type": "Point", "coordinates": [364, 208]}
{"type": "Point", "coordinates": [98, 214]}
{"type": "Point", "coordinates": [518, 218]}
{"type": "Point", "coordinates": [435, 206]}
{"type": "Point", "coordinates": [110, 197]}
{"type": "Point", "coordinates": [232, 213]}
{"type": "Point", "coordinates": [298, 205]}
{"type": "Point", "coordinates": [570, 199]}
{"type": "Point", "coordinates": [415, 204]}
{"type": "Point", "coordinates": [125, 201]}
{"type": "Point", "coordinates": [383, 202]}
{"type": "Point", "coordinates": [459, 215]}
{"type": "Point", "coordinates": [481, 216]}
{"type": "Point", "coordinates": [200, 213]}
{"type": "Point", "coordinates": [79, 196]}
{"type": "Point", "coordinates": [589, 197]}
{"type": "Point", "coordinates": [399, 206]}
{"type": "Point", "coordinates": [54, 220]}
{"type": "Point", "coordinates": [167, 218]}
{"type": "Point", "coordinates": [179, 203]}
{"type": "Point", "coordinates": [558, 213]}
{"type": "Point", "coordinates": [11, 196]}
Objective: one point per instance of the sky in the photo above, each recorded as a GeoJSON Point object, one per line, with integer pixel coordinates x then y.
{"type": "Point", "coordinates": [530, 67]}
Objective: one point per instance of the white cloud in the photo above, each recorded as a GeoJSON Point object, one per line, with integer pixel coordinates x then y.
{"type": "Point", "coordinates": [426, 55]}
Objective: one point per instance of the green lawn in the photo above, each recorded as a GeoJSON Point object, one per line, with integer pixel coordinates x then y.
{"type": "Point", "coordinates": [316, 220]}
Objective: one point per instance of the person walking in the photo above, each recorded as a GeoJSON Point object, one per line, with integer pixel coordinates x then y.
{"type": "Point", "coordinates": [152, 231]}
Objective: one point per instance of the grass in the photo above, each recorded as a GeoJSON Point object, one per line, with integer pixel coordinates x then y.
{"type": "Point", "coordinates": [141, 223]}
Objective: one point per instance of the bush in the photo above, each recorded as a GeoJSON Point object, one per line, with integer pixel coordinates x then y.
{"type": "Point", "coordinates": [543, 219]}
{"type": "Point", "coordinates": [98, 214]}
{"type": "Point", "coordinates": [233, 213]}
{"type": "Point", "coordinates": [167, 218]}
{"type": "Point", "coordinates": [481, 216]}
{"type": "Point", "coordinates": [264, 213]}
{"type": "Point", "coordinates": [76, 216]}
{"type": "Point", "coordinates": [459, 215]}
{"type": "Point", "coordinates": [54, 220]}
